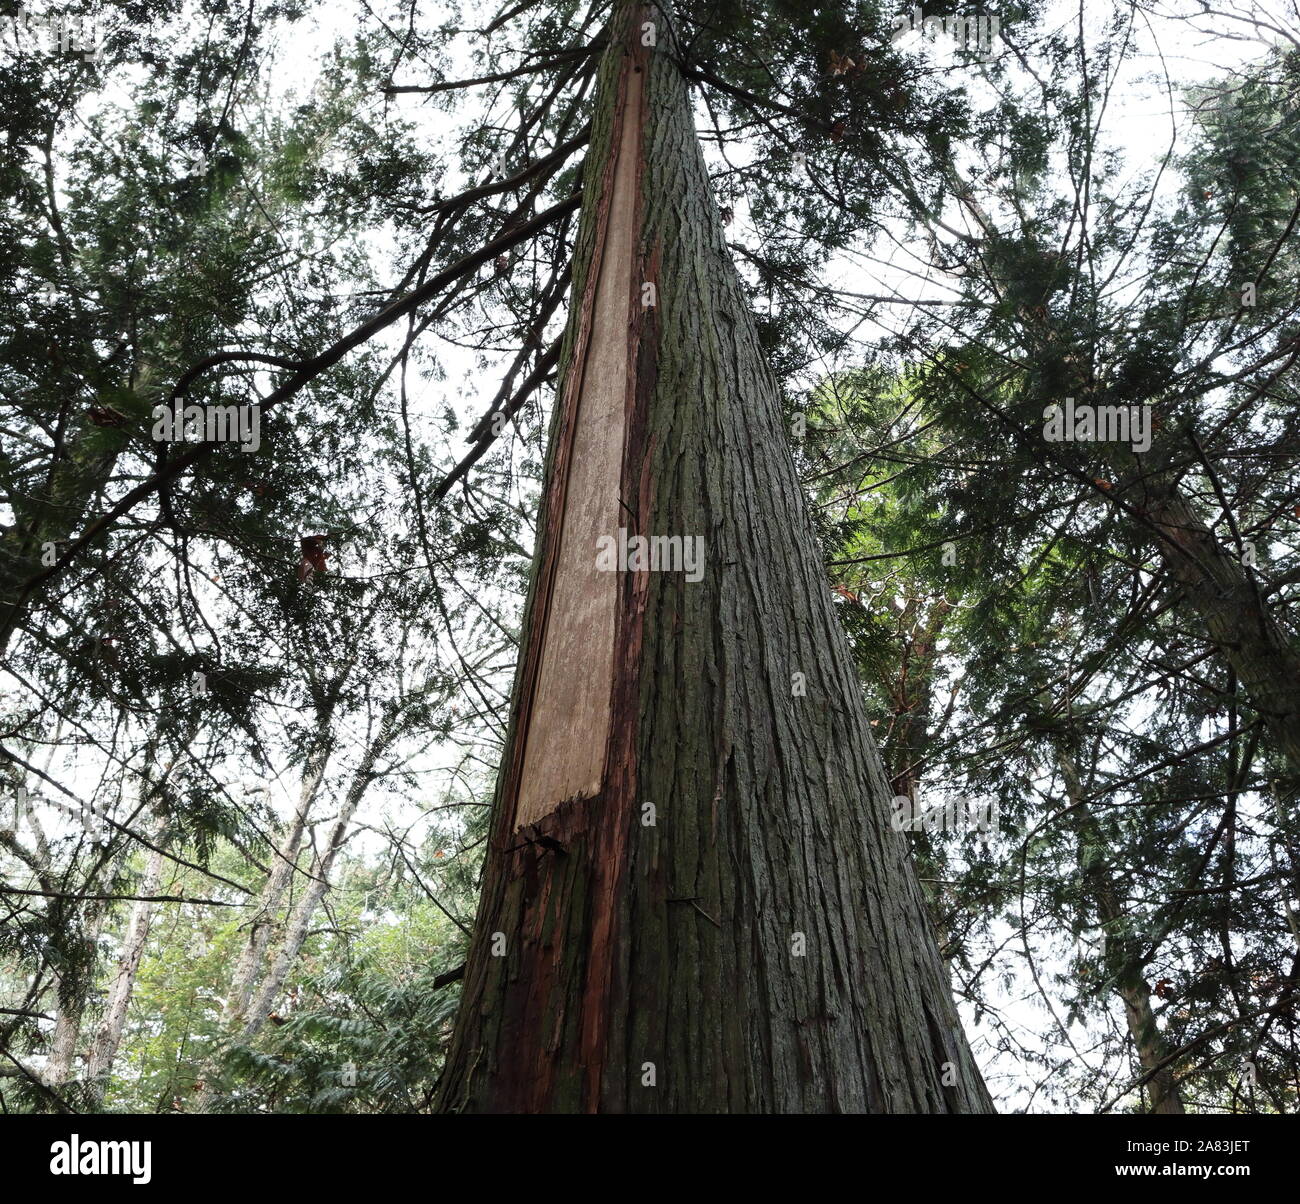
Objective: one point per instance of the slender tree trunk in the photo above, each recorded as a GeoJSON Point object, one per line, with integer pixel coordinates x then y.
{"type": "Point", "coordinates": [1162, 1087]}
{"type": "Point", "coordinates": [60, 1068]}
{"type": "Point", "coordinates": [1120, 957]}
{"type": "Point", "coordinates": [108, 1037]}
{"type": "Point", "coordinates": [1236, 618]}
{"type": "Point", "coordinates": [295, 935]}
{"type": "Point", "coordinates": [314, 894]}
{"type": "Point", "coordinates": [52, 515]}
{"type": "Point", "coordinates": [63, 1041]}
{"type": "Point", "coordinates": [693, 899]}
{"type": "Point", "coordinates": [910, 684]}
{"type": "Point", "coordinates": [252, 957]}
{"type": "Point", "coordinates": [283, 866]}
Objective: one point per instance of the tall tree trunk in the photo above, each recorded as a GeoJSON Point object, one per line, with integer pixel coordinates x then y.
{"type": "Point", "coordinates": [693, 899]}
{"type": "Point", "coordinates": [108, 1037]}
{"type": "Point", "coordinates": [1121, 956]}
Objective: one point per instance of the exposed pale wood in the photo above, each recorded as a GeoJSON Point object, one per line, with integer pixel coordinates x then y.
{"type": "Point", "coordinates": [570, 712]}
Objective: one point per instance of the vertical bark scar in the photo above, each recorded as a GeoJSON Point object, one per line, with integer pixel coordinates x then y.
{"type": "Point", "coordinates": [570, 710]}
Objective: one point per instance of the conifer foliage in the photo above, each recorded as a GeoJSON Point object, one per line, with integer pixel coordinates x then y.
{"type": "Point", "coordinates": [924, 736]}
